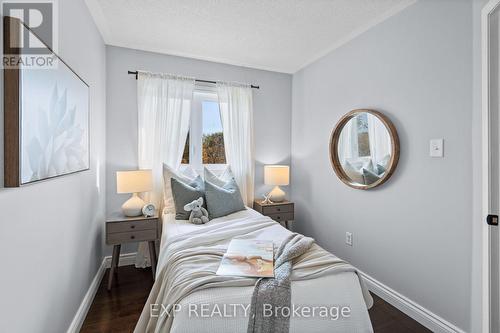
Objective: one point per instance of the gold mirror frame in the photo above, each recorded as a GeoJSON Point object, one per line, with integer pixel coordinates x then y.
{"type": "Point", "coordinates": [334, 141]}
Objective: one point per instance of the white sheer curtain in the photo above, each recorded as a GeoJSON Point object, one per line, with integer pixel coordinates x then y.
{"type": "Point", "coordinates": [164, 108]}
{"type": "Point", "coordinates": [236, 109]}
{"type": "Point", "coordinates": [348, 141]}
{"type": "Point", "coordinates": [380, 141]}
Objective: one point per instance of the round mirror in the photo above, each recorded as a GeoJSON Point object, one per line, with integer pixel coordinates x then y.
{"type": "Point", "coordinates": [364, 149]}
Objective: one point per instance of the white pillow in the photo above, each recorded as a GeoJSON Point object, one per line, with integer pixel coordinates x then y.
{"type": "Point", "coordinates": [186, 176]}
{"type": "Point", "coordinates": [221, 180]}
{"type": "Point", "coordinates": [189, 172]}
{"type": "Point", "coordinates": [355, 175]}
{"type": "Point", "coordinates": [385, 161]}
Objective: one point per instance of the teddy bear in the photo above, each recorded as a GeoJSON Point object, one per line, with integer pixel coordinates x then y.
{"type": "Point", "coordinates": [199, 215]}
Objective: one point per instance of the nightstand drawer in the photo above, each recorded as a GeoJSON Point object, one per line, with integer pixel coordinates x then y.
{"type": "Point", "coordinates": [282, 217]}
{"type": "Point", "coordinates": [132, 226]}
{"type": "Point", "coordinates": [131, 236]}
{"type": "Point", "coordinates": [279, 209]}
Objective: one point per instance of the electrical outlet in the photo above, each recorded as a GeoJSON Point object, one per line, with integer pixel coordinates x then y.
{"type": "Point", "coordinates": [348, 238]}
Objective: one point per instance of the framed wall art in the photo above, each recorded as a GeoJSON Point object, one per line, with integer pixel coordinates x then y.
{"type": "Point", "coordinates": [46, 117]}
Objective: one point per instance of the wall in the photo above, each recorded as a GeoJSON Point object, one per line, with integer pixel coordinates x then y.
{"type": "Point", "coordinates": [272, 107]}
{"type": "Point", "coordinates": [413, 233]}
{"type": "Point", "coordinates": [51, 232]}
{"type": "Point", "coordinates": [476, 302]}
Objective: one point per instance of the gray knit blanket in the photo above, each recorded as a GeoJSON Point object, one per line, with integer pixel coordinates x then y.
{"type": "Point", "coordinates": [277, 291]}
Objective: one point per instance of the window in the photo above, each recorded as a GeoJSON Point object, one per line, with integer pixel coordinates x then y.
{"type": "Point", "coordinates": [363, 139]}
{"type": "Point", "coordinates": [205, 142]}
{"type": "Point", "coordinates": [185, 154]}
{"type": "Point", "coordinates": [212, 139]}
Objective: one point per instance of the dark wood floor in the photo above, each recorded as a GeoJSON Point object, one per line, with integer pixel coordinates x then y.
{"type": "Point", "coordinates": [386, 318]}
{"type": "Point", "coordinates": [119, 309]}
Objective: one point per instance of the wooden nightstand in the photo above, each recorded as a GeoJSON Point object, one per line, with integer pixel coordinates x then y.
{"type": "Point", "coordinates": [278, 211]}
{"type": "Point", "coordinates": [121, 229]}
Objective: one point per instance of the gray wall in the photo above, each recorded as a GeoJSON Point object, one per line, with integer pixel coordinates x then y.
{"type": "Point", "coordinates": [413, 233]}
{"type": "Point", "coordinates": [51, 232]}
{"type": "Point", "coordinates": [272, 108]}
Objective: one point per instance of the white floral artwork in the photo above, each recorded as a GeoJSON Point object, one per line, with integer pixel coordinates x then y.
{"type": "Point", "coordinates": [55, 123]}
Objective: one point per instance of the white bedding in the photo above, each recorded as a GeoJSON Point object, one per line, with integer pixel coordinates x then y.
{"type": "Point", "coordinates": [173, 227]}
{"type": "Point", "coordinates": [337, 291]}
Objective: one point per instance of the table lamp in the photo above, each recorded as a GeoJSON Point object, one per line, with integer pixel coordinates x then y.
{"type": "Point", "coordinates": [276, 175]}
{"type": "Point", "coordinates": [133, 182]}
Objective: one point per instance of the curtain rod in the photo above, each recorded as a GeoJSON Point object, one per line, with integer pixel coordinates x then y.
{"type": "Point", "coordinates": [136, 73]}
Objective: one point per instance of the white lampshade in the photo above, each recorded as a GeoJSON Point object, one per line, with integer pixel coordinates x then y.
{"type": "Point", "coordinates": [134, 181]}
{"type": "Point", "coordinates": [276, 174]}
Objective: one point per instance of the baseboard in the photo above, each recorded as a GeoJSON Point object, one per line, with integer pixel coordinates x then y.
{"type": "Point", "coordinates": [81, 313]}
{"type": "Point", "coordinates": [425, 317]}
{"type": "Point", "coordinates": [77, 322]}
{"type": "Point", "coordinates": [126, 259]}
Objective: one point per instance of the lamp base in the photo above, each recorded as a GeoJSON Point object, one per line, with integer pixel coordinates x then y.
{"type": "Point", "coordinates": [133, 206]}
{"type": "Point", "coordinates": [277, 194]}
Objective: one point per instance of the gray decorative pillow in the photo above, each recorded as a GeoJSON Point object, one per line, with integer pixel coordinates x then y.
{"type": "Point", "coordinates": [222, 201]}
{"type": "Point", "coordinates": [369, 177]}
{"type": "Point", "coordinates": [380, 169]}
{"type": "Point", "coordinates": [185, 193]}
{"type": "Point", "coordinates": [186, 176]}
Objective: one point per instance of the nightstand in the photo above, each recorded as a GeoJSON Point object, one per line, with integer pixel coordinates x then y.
{"type": "Point", "coordinates": [121, 229]}
{"type": "Point", "coordinates": [278, 211]}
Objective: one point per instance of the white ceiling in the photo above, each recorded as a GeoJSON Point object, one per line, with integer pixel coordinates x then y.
{"type": "Point", "coordinates": [276, 35]}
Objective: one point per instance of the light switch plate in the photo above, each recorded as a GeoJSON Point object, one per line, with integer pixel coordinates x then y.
{"type": "Point", "coordinates": [436, 148]}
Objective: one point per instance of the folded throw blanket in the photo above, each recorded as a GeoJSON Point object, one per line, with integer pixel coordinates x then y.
{"type": "Point", "coordinates": [277, 291]}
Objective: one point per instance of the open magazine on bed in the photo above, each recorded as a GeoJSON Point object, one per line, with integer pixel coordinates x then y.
{"type": "Point", "coordinates": [248, 257]}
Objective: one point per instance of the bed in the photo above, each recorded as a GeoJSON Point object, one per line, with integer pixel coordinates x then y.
{"type": "Point", "coordinates": [335, 291]}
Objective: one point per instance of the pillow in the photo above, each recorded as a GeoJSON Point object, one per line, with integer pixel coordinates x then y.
{"type": "Point", "coordinates": [184, 194]}
{"type": "Point", "coordinates": [221, 180]}
{"type": "Point", "coordinates": [186, 176]}
{"type": "Point", "coordinates": [369, 166]}
{"type": "Point", "coordinates": [353, 174]}
{"type": "Point", "coordinates": [369, 176]}
{"type": "Point", "coordinates": [385, 161]}
{"type": "Point", "coordinates": [380, 169]}
{"type": "Point", "coordinates": [189, 172]}
{"type": "Point", "coordinates": [356, 163]}
{"type": "Point", "coordinates": [222, 201]}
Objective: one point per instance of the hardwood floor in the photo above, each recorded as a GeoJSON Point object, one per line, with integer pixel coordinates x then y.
{"type": "Point", "coordinates": [119, 309]}
{"type": "Point", "coordinates": [387, 319]}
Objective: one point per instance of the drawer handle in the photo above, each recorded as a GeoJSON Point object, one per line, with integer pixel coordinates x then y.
{"type": "Point", "coordinates": [132, 227]}
{"type": "Point", "coordinates": [279, 209]}
{"type": "Point", "coordinates": [278, 217]}
{"type": "Point", "coordinates": [132, 237]}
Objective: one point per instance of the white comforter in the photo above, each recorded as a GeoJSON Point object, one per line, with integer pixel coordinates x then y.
{"type": "Point", "coordinates": [333, 291]}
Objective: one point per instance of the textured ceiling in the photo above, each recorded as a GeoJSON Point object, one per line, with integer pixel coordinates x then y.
{"type": "Point", "coordinates": [277, 35]}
